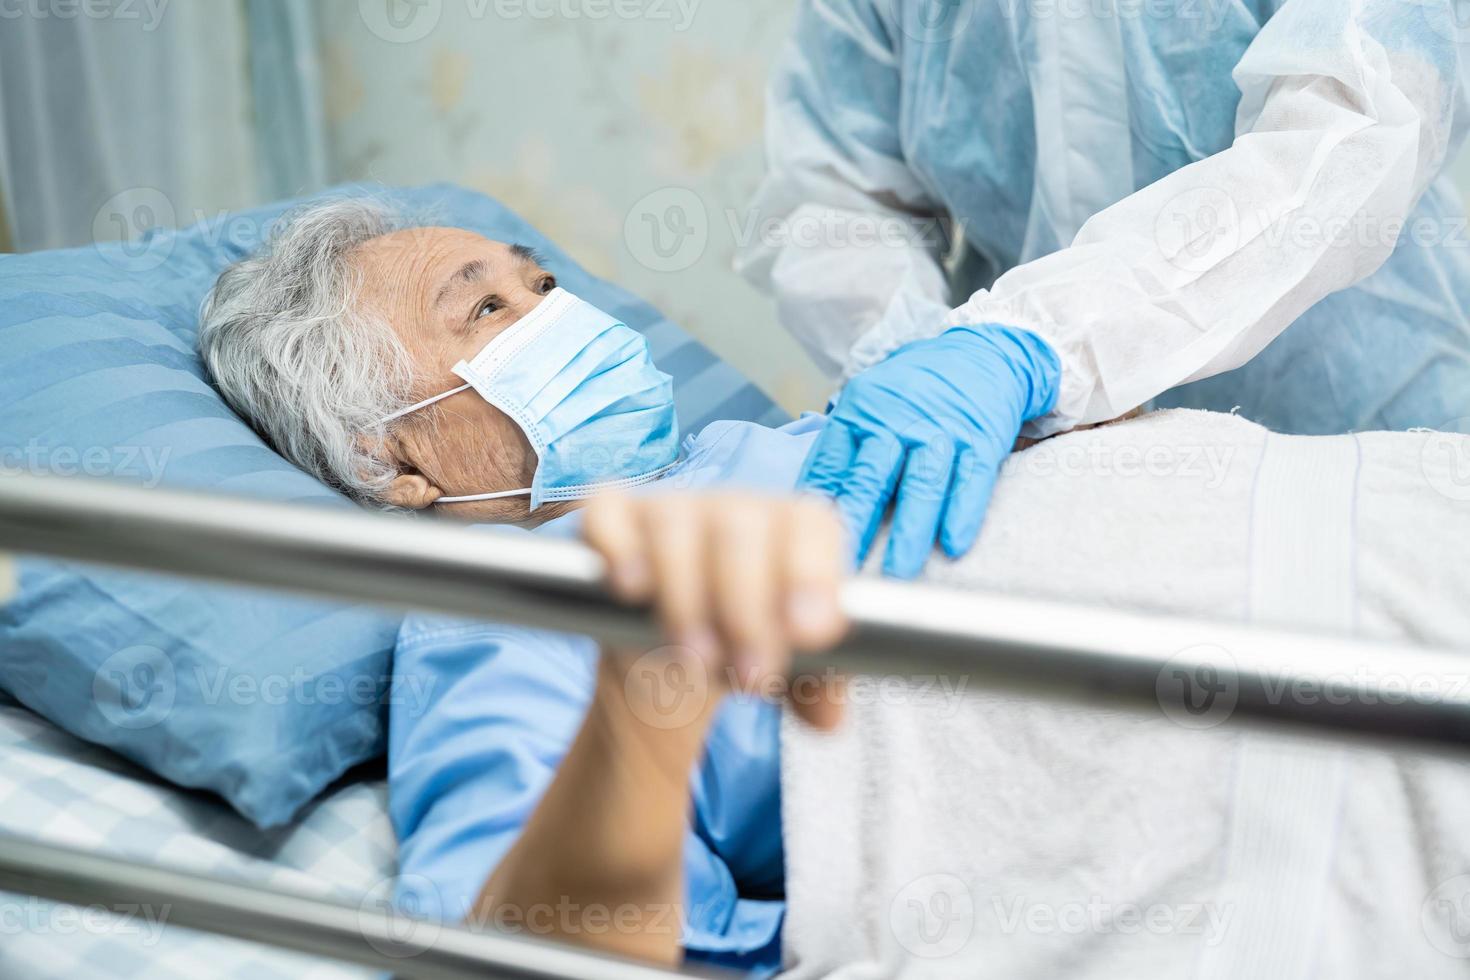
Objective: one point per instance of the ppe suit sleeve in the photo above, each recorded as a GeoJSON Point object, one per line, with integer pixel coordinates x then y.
{"type": "Point", "coordinates": [841, 231]}
{"type": "Point", "coordinates": [1345, 117]}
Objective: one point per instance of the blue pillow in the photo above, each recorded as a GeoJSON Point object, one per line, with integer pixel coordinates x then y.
{"type": "Point", "coordinates": [261, 698]}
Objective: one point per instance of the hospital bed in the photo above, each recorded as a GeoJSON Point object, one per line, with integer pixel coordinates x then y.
{"type": "Point", "coordinates": [95, 334]}
{"type": "Point", "coordinates": [1102, 657]}
{"type": "Point", "coordinates": [98, 355]}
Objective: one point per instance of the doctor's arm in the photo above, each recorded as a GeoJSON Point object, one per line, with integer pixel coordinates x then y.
{"type": "Point", "coordinates": [1346, 115]}
{"type": "Point", "coordinates": [1348, 111]}
{"type": "Point", "coordinates": [841, 231]}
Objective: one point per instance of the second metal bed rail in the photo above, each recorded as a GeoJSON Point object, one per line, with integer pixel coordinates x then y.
{"type": "Point", "coordinates": [306, 924]}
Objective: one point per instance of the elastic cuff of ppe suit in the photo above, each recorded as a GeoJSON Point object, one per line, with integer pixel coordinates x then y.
{"type": "Point", "coordinates": [1036, 366]}
{"type": "Point", "coordinates": [910, 316]}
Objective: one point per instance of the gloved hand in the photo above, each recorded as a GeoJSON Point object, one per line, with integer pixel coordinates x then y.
{"type": "Point", "coordinates": [934, 421]}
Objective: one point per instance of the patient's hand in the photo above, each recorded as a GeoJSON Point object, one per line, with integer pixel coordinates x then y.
{"type": "Point", "coordinates": [741, 580]}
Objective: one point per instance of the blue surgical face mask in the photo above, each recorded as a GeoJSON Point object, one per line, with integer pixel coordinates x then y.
{"type": "Point", "coordinates": [582, 387]}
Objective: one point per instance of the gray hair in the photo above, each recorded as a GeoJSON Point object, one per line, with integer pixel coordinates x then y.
{"type": "Point", "coordinates": [291, 353]}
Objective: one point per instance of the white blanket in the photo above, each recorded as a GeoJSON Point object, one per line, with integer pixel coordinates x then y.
{"type": "Point", "coordinates": [981, 835]}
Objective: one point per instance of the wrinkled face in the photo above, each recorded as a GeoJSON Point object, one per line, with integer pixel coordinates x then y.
{"type": "Point", "coordinates": [446, 293]}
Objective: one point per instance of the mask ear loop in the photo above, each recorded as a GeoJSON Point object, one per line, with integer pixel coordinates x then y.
{"type": "Point", "coordinates": [468, 497]}
{"type": "Point", "coordinates": [423, 404]}
{"type": "Point", "coordinates": [525, 492]}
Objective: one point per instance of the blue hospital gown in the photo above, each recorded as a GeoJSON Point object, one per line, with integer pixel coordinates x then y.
{"type": "Point", "coordinates": [482, 716]}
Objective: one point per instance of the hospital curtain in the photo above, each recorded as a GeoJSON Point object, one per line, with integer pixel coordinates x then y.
{"type": "Point", "coordinates": [138, 114]}
{"type": "Point", "coordinates": [285, 73]}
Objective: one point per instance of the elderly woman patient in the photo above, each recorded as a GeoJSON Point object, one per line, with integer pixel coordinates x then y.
{"type": "Point", "coordinates": [658, 804]}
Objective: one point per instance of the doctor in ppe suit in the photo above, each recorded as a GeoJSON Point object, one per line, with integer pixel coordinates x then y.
{"type": "Point", "coordinates": [994, 217]}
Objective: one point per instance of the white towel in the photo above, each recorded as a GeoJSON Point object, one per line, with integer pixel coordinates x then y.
{"type": "Point", "coordinates": [989, 835]}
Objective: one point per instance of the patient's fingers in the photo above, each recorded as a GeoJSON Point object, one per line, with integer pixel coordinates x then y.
{"type": "Point", "coordinates": [612, 527]}
{"type": "Point", "coordinates": [815, 553]}
{"type": "Point", "coordinates": [815, 545]}
{"type": "Point", "coordinates": [675, 531]}
{"type": "Point", "coordinates": [745, 576]}
{"type": "Point", "coordinates": [740, 579]}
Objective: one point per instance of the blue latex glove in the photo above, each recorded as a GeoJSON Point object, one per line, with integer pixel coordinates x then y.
{"type": "Point", "coordinates": [934, 422]}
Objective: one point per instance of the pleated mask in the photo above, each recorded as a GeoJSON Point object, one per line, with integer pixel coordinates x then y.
{"type": "Point", "coordinates": [583, 388]}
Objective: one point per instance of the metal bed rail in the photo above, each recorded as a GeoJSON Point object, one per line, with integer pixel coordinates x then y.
{"type": "Point", "coordinates": [1385, 693]}
{"type": "Point", "coordinates": [306, 924]}
{"type": "Point", "coordinates": [1334, 684]}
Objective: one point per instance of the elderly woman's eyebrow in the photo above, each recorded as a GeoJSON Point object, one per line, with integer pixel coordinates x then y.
{"type": "Point", "coordinates": [469, 272]}
{"type": "Point", "coordinates": [527, 254]}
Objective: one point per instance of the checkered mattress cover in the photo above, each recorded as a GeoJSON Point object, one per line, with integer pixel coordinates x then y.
{"type": "Point", "coordinates": [61, 790]}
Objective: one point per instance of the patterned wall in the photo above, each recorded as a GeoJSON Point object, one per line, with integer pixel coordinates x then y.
{"type": "Point", "coordinates": [627, 130]}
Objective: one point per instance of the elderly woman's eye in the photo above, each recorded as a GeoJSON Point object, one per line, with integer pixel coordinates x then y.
{"type": "Point", "coordinates": [488, 307]}
{"type": "Point", "coordinates": [545, 284]}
